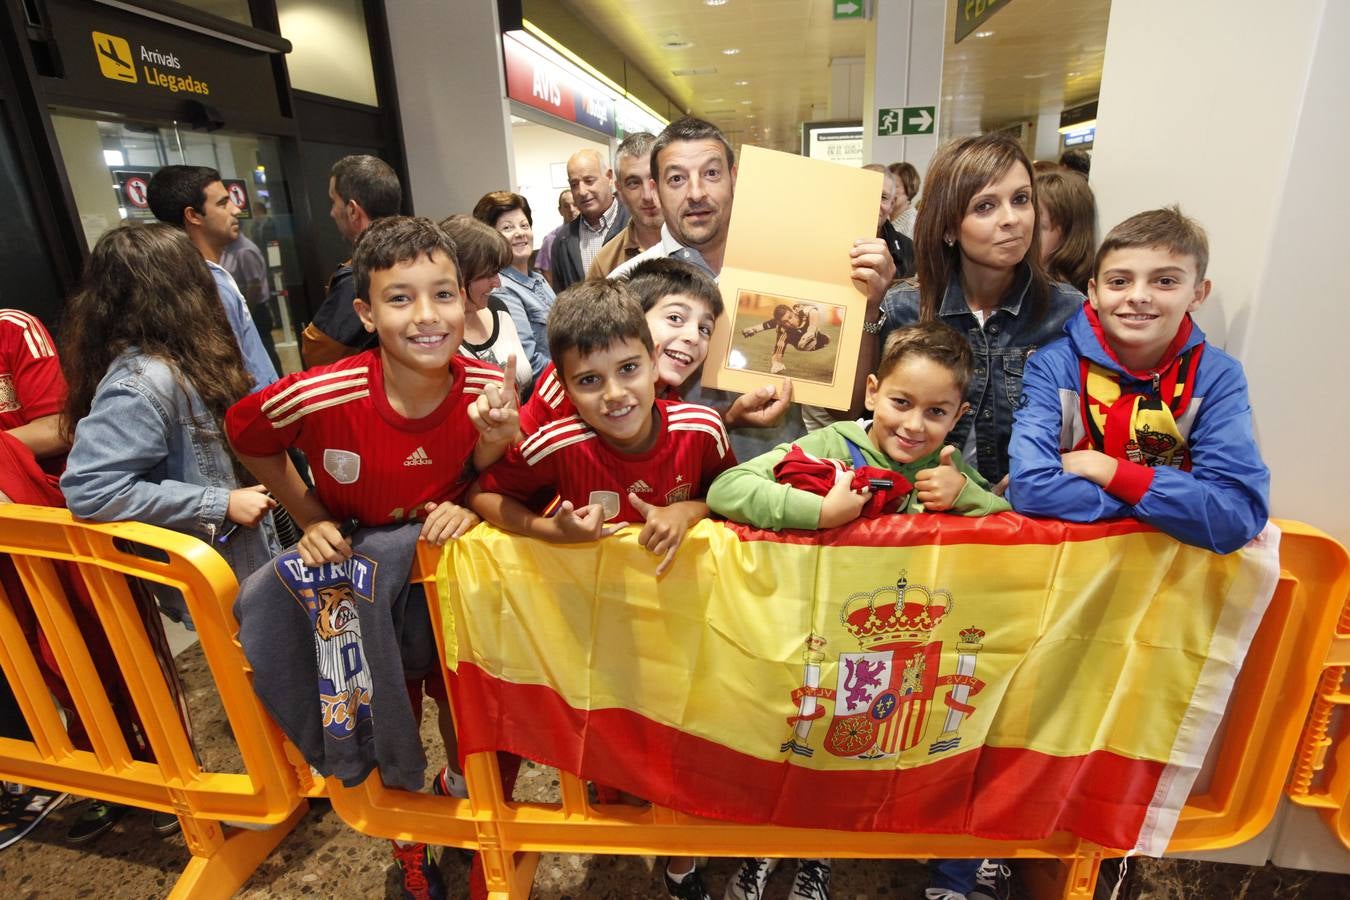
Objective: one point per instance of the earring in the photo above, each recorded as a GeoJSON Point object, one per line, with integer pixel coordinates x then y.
{"type": "Point", "coordinates": [949, 241]}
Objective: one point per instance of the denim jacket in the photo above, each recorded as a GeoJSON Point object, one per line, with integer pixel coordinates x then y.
{"type": "Point", "coordinates": [529, 299]}
{"type": "Point", "coordinates": [1001, 347]}
{"type": "Point", "coordinates": [149, 451]}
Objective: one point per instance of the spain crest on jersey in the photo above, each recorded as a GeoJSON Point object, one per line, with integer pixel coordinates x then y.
{"type": "Point", "coordinates": [884, 692]}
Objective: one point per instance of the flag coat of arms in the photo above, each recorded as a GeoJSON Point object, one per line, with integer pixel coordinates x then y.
{"type": "Point", "coordinates": [1000, 677]}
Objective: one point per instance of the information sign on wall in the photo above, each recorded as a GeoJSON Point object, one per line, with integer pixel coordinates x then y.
{"type": "Point", "coordinates": [115, 56]}
{"type": "Point", "coordinates": [840, 142]}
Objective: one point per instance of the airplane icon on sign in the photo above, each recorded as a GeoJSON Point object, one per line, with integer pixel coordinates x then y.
{"type": "Point", "coordinates": [114, 57]}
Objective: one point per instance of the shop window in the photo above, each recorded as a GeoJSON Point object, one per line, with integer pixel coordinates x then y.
{"type": "Point", "coordinates": [331, 49]}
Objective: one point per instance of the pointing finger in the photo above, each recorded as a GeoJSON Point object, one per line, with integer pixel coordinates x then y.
{"type": "Point", "coordinates": [669, 558]}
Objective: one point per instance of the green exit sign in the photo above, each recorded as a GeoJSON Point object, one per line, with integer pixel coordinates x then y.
{"type": "Point", "coordinates": [848, 9]}
{"type": "Point", "coordinates": [906, 120]}
{"type": "Point", "coordinates": [971, 14]}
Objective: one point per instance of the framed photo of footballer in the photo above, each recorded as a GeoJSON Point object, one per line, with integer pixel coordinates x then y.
{"type": "Point", "coordinates": [791, 310]}
{"type": "Point", "coordinates": [789, 336]}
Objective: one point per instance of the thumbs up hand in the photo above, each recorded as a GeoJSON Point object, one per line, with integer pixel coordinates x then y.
{"type": "Point", "coordinates": [937, 488]}
{"type": "Point", "coordinates": [664, 526]}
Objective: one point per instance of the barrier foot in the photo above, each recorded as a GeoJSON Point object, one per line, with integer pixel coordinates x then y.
{"type": "Point", "coordinates": [229, 858]}
{"type": "Point", "coordinates": [520, 878]}
{"type": "Point", "coordinates": [1060, 879]}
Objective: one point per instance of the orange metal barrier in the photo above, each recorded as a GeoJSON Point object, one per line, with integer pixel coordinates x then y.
{"type": "Point", "coordinates": [269, 793]}
{"type": "Point", "coordinates": [1247, 771]}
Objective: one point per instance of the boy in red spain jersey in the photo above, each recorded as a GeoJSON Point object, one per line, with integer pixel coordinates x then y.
{"type": "Point", "coordinates": [391, 434]}
{"type": "Point", "coordinates": [623, 458]}
{"type": "Point", "coordinates": [681, 304]}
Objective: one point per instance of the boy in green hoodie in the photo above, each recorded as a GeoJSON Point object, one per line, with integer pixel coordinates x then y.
{"type": "Point", "coordinates": [916, 396]}
{"type": "Point", "coordinates": [896, 463]}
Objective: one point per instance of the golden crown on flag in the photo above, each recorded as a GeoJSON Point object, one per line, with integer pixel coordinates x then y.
{"type": "Point", "coordinates": [910, 616]}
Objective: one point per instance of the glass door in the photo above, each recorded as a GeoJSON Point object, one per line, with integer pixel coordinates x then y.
{"type": "Point", "coordinates": [109, 164]}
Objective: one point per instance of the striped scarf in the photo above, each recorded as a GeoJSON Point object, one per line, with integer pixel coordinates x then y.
{"type": "Point", "coordinates": [1140, 427]}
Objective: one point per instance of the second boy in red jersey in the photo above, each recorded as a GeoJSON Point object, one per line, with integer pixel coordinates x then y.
{"type": "Point", "coordinates": [624, 457]}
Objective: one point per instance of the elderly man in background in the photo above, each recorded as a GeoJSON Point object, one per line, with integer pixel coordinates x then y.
{"type": "Point", "coordinates": [602, 217]}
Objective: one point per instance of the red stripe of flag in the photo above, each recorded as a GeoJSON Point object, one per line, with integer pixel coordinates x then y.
{"type": "Point", "coordinates": [1001, 793]}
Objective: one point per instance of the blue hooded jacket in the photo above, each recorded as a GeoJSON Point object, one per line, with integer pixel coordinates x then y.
{"type": "Point", "coordinates": [1220, 504]}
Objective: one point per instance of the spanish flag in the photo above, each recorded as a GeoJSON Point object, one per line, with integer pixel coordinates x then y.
{"type": "Point", "coordinates": [999, 677]}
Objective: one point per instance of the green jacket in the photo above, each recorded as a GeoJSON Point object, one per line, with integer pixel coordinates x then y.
{"type": "Point", "coordinates": [748, 492]}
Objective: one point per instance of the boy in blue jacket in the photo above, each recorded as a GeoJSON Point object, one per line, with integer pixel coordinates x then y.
{"type": "Point", "coordinates": [1134, 414]}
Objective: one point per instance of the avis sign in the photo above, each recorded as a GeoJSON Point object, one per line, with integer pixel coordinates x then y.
{"type": "Point", "coordinates": [906, 120]}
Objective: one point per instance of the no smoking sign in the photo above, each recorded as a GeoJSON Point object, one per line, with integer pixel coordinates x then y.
{"type": "Point", "coordinates": [133, 187]}
{"type": "Point", "coordinates": [239, 194]}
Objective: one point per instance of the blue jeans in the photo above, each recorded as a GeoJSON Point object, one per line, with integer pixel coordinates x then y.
{"type": "Point", "coordinates": [956, 875]}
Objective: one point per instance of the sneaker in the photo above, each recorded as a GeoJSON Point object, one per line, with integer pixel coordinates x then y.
{"type": "Point", "coordinates": [993, 881]}
{"type": "Point", "coordinates": [813, 880]}
{"type": "Point", "coordinates": [690, 887]}
{"type": "Point", "coordinates": [448, 784]}
{"type": "Point", "coordinates": [21, 813]}
{"type": "Point", "coordinates": [421, 879]}
{"type": "Point", "coordinates": [750, 878]}
{"type": "Point", "coordinates": [776, 368]}
{"type": "Point", "coordinates": [97, 818]}
{"type": "Point", "coordinates": [942, 894]}
{"type": "Point", "coordinates": [165, 823]}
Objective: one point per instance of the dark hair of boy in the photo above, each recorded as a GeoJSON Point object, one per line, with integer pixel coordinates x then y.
{"type": "Point", "coordinates": [908, 176]}
{"type": "Point", "coordinates": [958, 171]}
{"type": "Point", "coordinates": [480, 249]}
{"type": "Point", "coordinates": [1066, 198]}
{"type": "Point", "coordinates": [933, 340]}
{"type": "Point", "coordinates": [397, 239]}
{"type": "Point", "coordinates": [495, 204]}
{"type": "Point", "coordinates": [594, 315]}
{"type": "Point", "coordinates": [371, 182]}
{"type": "Point", "coordinates": [654, 279]}
{"type": "Point", "coordinates": [142, 284]}
{"type": "Point", "coordinates": [689, 128]}
{"type": "Point", "coordinates": [174, 188]}
{"type": "Point", "coordinates": [1168, 227]}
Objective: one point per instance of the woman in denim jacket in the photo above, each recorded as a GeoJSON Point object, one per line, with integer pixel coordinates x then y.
{"type": "Point", "coordinates": [152, 367]}
{"type": "Point", "coordinates": [979, 271]}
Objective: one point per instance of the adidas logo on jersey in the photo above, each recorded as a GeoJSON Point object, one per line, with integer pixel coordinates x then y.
{"type": "Point", "coordinates": [417, 458]}
{"type": "Point", "coordinates": [639, 487]}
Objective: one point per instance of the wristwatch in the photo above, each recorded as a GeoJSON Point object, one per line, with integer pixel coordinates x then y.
{"type": "Point", "coordinates": [874, 327]}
